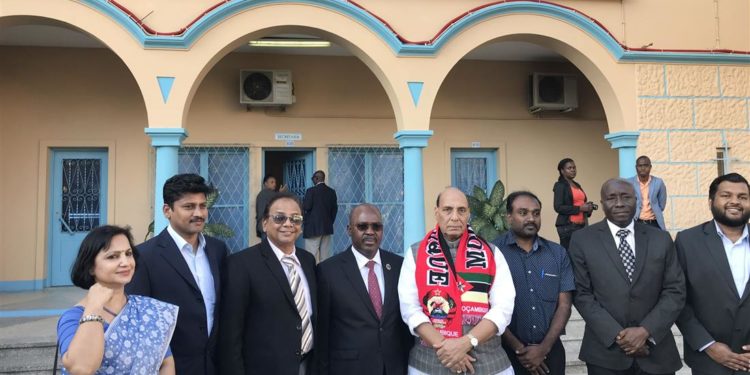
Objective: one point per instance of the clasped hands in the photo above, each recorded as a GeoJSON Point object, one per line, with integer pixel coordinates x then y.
{"type": "Point", "coordinates": [454, 354]}
{"type": "Point", "coordinates": [723, 354]}
{"type": "Point", "coordinates": [532, 358]}
{"type": "Point", "coordinates": [632, 341]}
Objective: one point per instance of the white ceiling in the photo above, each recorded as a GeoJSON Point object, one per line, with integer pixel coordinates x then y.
{"type": "Point", "coordinates": [56, 36]}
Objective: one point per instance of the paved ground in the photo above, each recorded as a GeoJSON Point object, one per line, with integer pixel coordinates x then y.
{"type": "Point", "coordinates": [32, 317]}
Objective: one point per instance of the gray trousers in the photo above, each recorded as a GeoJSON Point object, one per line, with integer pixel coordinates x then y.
{"type": "Point", "coordinates": [319, 247]}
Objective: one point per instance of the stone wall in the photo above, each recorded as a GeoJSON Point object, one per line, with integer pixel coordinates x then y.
{"type": "Point", "coordinates": [685, 112]}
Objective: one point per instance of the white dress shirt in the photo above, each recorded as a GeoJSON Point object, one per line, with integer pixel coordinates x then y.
{"type": "Point", "coordinates": [365, 271]}
{"type": "Point", "coordinates": [738, 255]}
{"type": "Point", "coordinates": [630, 238]}
{"type": "Point", "coordinates": [197, 262]}
{"type": "Point", "coordinates": [302, 277]}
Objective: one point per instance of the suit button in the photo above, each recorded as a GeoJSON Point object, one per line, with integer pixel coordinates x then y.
{"type": "Point", "coordinates": [298, 352]}
{"type": "Point", "coordinates": [299, 327]}
{"type": "Point", "coordinates": [381, 329]}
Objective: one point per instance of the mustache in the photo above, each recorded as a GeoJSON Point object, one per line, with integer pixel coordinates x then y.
{"type": "Point", "coordinates": [197, 219]}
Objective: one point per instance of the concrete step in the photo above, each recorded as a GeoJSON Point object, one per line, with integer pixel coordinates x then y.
{"type": "Point", "coordinates": [27, 346]}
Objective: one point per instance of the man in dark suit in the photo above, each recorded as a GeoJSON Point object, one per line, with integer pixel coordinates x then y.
{"type": "Point", "coordinates": [269, 300]}
{"type": "Point", "coordinates": [360, 330]}
{"type": "Point", "coordinates": [183, 267]}
{"type": "Point", "coordinates": [320, 208]}
{"type": "Point", "coordinates": [630, 290]}
{"type": "Point", "coordinates": [715, 256]}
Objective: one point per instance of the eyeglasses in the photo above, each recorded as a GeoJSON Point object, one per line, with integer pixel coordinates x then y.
{"type": "Point", "coordinates": [281, 219]}
{"type": "Point", "coordinates": [377, 227]}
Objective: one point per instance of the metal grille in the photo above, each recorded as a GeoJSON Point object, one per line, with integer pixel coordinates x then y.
{"type": "Point", "coordinates": [470, 172]}
{"type": "Point", "coordinates": [294, 177]}
{"type": "Point", "coordinates": [372, 174]}
{"type": "Point", "coordinates": [227, 170]}
{"type": "Point", "coordinates": [80, 194]}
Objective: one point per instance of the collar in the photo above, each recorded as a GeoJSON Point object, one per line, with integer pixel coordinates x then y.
{"type": "Point", "coordinates": [643, 183]}
{"type": "Point", "coordinates": [280, 254]}
{"type": "Point", "coordinates": [511, 240]}
{"type": "Point", "coordinates": [362, 260]}
{"type": "Point", "coordinates": [723, 236]}
{"type": "Point", "coordinates": [613, 228]}
{"type": "Point", "coordinates": [180, 242]}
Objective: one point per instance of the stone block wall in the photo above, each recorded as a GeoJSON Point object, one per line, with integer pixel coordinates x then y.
{"type": "Point", "coordinates": [685, 112]}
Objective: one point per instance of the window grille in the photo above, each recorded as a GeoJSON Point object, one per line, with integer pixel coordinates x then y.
{"type": "Point", "coordinates": [368, 174]}
{"type": "Point", "coordinates": [227, 170]}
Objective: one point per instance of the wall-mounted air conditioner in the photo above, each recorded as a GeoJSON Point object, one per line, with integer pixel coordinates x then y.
{"type": "Point", "coordinates": [266, 87]}
{"type": "Point", "coordinates": [552, 92]}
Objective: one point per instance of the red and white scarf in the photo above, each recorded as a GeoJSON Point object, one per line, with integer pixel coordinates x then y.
{"type": "Point", "coordinates": [450, 299]}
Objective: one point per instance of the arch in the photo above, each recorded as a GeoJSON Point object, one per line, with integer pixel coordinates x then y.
{"type": "Point", "coordinates": [185, 37]}
{"type": "Point", "coordinates": [294, 18]}
{"type": "Point", "coordinates": [86, 20]}
{"type": "Point", "coordinates": [613, 81]}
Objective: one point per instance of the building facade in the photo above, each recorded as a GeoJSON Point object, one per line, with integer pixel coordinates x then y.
{"type": "Point", "coordinates": [102, 101]}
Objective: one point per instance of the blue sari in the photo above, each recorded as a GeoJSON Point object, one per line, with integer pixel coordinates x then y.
{"type": "Point", "coordinates": [137, 340]}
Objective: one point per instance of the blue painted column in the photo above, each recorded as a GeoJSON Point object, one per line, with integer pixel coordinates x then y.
{"type": "Point", "coordinates": [625, 143]}
{"type": "Point", "coordinates": [412, 142]}
{"type": "Point", "coordinates": [167, 143]}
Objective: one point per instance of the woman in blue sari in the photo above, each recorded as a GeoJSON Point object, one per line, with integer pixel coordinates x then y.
{"type": "Point", "coordinates": [109, 332]}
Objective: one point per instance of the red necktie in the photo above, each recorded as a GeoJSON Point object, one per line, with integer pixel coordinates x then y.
{"type": "Point", "coordinates": [373, 288]}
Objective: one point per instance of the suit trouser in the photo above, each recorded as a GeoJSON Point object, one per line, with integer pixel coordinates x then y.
{"type": "Point", "coordinates": [633, 370]}
{"type": "Point", "coordinates": [320, 247]}
{"type": "Point", "coordinates": [555, 360]}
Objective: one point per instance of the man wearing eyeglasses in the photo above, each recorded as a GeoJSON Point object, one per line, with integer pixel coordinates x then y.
{"type": "Point", "coordinates": [269, 312]}
{"type": "Point", "coordinates": [360, 330]}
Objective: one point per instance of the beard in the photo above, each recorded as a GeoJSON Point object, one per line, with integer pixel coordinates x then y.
{"type": "Point", "coordinates": [722, 218]}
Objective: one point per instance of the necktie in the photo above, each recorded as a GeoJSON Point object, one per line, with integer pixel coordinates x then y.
{"type": "Point", "coordinates": [299, 299]}
{"type": "Point", "coordinates": [373, 288]}
{"type": "Point", "coordinates": [626, 253]}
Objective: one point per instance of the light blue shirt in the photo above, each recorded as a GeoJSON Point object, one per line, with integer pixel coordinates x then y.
{"type": "Point", "coordinates": [197, 262]}
{"type": "Point", "coordinates": [738, 255]}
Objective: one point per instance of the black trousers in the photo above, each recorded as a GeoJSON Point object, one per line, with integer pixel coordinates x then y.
{"type": "Point", "coordinates": [634, 370]}
{"type": "Point", "coordinates": [555, 360]}
{"type": "Point", "coordinates": [565, 231]}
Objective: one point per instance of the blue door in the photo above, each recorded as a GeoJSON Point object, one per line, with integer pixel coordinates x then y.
{"type": "Point", "coordinates": [473, 167]}
{"type": "Point", "coordinates": [79, 203]}
{"type": "Point", "coordinates": [298, 171]}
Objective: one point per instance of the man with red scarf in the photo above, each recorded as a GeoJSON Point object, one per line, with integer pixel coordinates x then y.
{"type": "Point", "coordinates": [456, 295]}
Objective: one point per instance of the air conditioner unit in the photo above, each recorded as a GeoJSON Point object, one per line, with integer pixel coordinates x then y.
{"type": "Point", "coordinates": [266, 87]}
{"type": "Point", "coordinates": [552, 92]}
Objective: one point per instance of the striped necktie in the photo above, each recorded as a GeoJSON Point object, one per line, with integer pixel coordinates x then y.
{"type": "Point", "coordinates": [299, 299]}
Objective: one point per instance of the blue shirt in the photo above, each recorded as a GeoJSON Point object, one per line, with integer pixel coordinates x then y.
{"type": "Point", "coordinates": [539, 277]}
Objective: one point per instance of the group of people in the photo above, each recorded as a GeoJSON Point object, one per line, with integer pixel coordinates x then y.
{"type": "Point", "coordinates": [454, 303]}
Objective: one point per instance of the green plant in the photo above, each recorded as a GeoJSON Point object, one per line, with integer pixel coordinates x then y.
{"type": "Point", "coordinates": [488, 214]}
{"type": "Point", "coordinates": [211, 229]}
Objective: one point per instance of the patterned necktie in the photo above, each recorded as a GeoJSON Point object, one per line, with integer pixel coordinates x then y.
{"type": "Point", "coordinates": [626, 253]}
{"type": "Point", "coordinates": [299, 299]}
{"type": "Point", "coordinates": [373, 288]}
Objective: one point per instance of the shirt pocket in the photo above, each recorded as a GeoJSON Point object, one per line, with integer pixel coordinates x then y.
{"type": "Point", "coordinates": [550, 286]}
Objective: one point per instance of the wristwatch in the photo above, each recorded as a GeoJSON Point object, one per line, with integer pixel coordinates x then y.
{"type": "Point", "coordinates": [473, 340]}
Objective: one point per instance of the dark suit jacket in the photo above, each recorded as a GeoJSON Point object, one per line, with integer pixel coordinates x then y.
{"type": "Point", "coordinates": [609, 303]}
{"type": "Point", "coordinates": [714, 309]}
{"type": "Point", "coordinates": [320, 208]}
{"type": "Point", "coordinates": [350, 337]}
{"type": "Point", "coordinates": [261, 329]}
{"type": "Point", "coordinates": [162, 273]}
{"type": "Point", "coordinates": [563, 202]}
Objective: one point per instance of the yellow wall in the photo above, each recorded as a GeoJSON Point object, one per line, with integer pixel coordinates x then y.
{"type": "Point", "coordinates": [96, 102]}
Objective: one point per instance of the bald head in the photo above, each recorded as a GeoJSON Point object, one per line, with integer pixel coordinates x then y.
{"type": "Point", "coordinates": [366, 207]}
{"type": "Point", "coordinates": [618, 201]}
{"type": "Point", "coordinates": [452, 213]}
